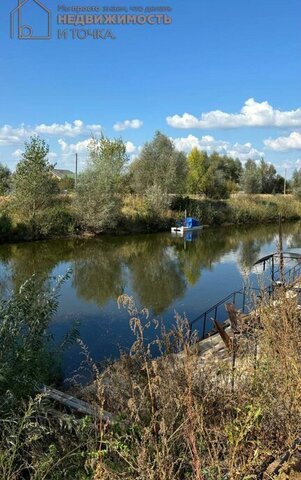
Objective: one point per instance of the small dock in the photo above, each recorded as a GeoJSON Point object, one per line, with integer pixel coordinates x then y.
{"type": "Point", "coordinates": [74, 404]}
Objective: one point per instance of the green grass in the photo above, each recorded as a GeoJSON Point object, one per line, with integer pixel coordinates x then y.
{"type": "Point", "coordinates": [61, 220]}
{"type": "Point", "coordinates": [240, 209]}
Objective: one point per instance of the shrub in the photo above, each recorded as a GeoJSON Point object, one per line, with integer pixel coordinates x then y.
{"type": "Point", "coordinates": [98, 197]}
{"type": "Point", "coordinates": [157, 201]}
{"type": "Point", "coordinates": [55, 222]}
{"type": "Point", "coordinates": [5, 227]}
{"type": "Point", "coordinates": [25, 358]}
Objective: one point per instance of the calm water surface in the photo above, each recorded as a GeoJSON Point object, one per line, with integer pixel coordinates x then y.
{"type": "Point", "coordinates": [162, 272]}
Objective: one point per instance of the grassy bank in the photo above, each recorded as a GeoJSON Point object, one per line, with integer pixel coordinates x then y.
{"type": "Point", "coordinates": [177, 417]}
{"type": "Point", "coordinates": [136, 217]}
{"type": "Point", "coordinates": [240, 209]}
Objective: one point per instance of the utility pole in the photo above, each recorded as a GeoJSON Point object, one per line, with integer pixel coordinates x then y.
{"type": "Point", "coordinates": [281, 260]}
{"type": "Point", "coordinates": [285, 173]}
{"type": "Point", "coordinates": [76, 165]}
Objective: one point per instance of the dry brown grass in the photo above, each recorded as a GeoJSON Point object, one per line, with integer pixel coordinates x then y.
{"type": "Point", "coordinates": [179, 415]}
{"type": "Point", "coordinates": [180, 418]}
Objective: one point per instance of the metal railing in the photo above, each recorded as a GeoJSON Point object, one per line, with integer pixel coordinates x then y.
{"type": "Point", "coordinates": [213, 313]}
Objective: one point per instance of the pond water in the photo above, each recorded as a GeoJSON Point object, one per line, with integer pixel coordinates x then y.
{"type": "Point", "coordinates": [163, 273]}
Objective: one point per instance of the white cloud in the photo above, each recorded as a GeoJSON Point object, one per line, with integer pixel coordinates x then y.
{"type": "Point", "coordinates": [71, 148]}
{"type": "Point", "coordinates": [68, 129]}
{"type": "Point", "coordinates": [12, 136]}
{"type": "Point", "coordinates": [210, 145]}
{"type": "Point", "coordinates": [284, 144]}
{"type": "Point", "coordinates": [252, 114]}
{"type": "Point", "coordinates": [130, 148]}
{"type": "Point", "coordinates": [121, 126]}
{"type": "Point", "coordinates": [17, 153]}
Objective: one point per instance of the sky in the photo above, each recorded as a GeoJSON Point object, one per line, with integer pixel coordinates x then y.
{"type": "Point", "coordinates": [222, 76]}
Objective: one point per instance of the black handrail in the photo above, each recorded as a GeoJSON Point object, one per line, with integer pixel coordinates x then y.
{"type": "Point", "coordinates": [292, 273]}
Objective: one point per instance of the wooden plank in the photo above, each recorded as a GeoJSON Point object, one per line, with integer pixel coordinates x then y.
{"type": "Point", "coordinates": [225, 337]}
{"type": "Point", "coordinates": [233, 317]}
{"type": "Point", "coordinates": [74, 403]}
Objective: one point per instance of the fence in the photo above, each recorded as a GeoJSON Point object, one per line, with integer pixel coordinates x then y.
{"type": "Point", "coordinates": [242, 299]}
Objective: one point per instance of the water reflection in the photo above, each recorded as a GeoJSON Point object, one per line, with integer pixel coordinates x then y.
{"type": "Point", "coordinates": [159, 267]}
{"type": "Point", "coordinates": [163, 273]}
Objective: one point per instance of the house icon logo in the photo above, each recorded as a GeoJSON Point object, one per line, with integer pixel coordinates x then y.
{"type": "Point", "coordinates": [30, 20]}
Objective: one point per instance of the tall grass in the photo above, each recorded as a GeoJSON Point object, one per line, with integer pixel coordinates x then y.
{"type": "Point", "coordinates": [152, 212]}
{"type": "Point", "coordinates": [184, 414]}
{"type": "Point", "coordinates": [240, 209]}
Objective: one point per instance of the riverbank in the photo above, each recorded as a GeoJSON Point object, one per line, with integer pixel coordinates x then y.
{"type": "Point", "coordinates": [62, 220]}
{"type": "Point", "coordinates": [201, 411]}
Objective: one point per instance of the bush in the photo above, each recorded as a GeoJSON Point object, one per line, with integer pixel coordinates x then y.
{"type": "Point", "coordinates": [25, 358]}
{"type": "Point", "coordinates": [56, 222]}
{"type": "Point", "coordinates": [34, 443]}
{"type": "Point", "coordinates": [6, 227]}
{"type": "Point", "coordinates": [157, 201]}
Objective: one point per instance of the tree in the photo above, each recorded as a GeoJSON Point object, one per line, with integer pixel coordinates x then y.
{"type": "Point", "coordinates": [215, 176]}
{"type": "Point", "coordinates": [159, 164]}
{"type": "Point", "coordinates": [296, 183]}
{"type": "Point", "coordinates": [268, 177]}
{"type": "Point", "coordinates": [252, 178]}
{"type": "Point", "coordinates": [33, 183]}
{"type": "Point", "coordinates": [198, 164]}
{"type": "Point", "coordinates": [279, 184]}
{"type": "Point", "coordinates": [5, 180]}
{"type": "Point", "coordinates": [98, 197]}
{"type": "Point", "coordinates": [157, 201]}
{"type": "Point", "coordinates": [67, 183]}
{"type": "Point", "coordinates": [216, 185]}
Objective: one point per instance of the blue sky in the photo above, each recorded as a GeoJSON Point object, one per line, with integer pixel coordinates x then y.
{"type": "Point", "coordinates": [224, 76]}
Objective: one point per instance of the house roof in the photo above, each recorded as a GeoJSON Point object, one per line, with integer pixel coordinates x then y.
{"type": "Point", "coordinates": [63, 173]}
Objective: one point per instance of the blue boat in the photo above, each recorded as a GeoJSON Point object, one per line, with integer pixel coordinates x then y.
{"type": "Point", "coordinates": [188, 225]}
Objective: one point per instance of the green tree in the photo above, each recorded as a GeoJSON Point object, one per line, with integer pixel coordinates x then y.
{"type": "Point", "coordinates": [252, 178]}
{"type": "Point", "coordinates": [5, 179]}
{"type": "Point", "coordinates": [216, 185]}
{"type": "Point", "coordinates": [296, 183]}
{"type": "Point", "coordinates": [99, 190]}
{"type": "Point", "coordinates": [67, 183]}
{"type": "Point", "coordinates": [157, 201]}
{"type": "Point", "coordinates": [231, 168]}
{"type": "Point", "coordinates": [198, 164]}
{"type": "Point", "coordinates": [159, 164]}
{"type": "Point", "coordinates": [216, 176]}
{"type": "Point", "coordinates": [268, 177]}
{"type": "Point", "coordinates": [33, 184]}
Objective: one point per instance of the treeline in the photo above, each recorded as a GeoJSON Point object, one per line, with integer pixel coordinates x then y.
{"type": "Point", "coordinates": [160, 165]}
{"type": "Point", "coordinates": [116, 194]}
{"type": "Point", "coordinates": [218, 176]}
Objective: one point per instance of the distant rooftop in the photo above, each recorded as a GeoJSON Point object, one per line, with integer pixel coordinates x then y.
{"type": "Point", "coordinates": [62, 173]}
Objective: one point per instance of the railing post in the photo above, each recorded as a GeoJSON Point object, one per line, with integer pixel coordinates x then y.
{"type": "Point", "coordinates": [204, 325]}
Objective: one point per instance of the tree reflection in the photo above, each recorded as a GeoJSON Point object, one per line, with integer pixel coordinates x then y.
{"type": "Point", "coordinates": [156, 275]}
{"type": "Point", "coordinates": [97, 271]}
{"type": "Point", "coordinates": [156, 269]}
